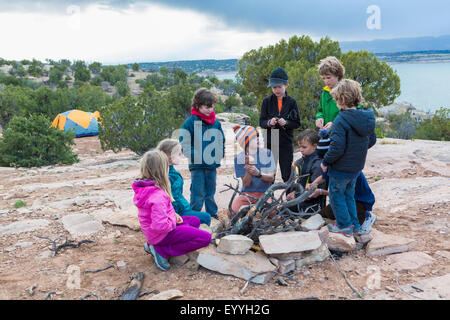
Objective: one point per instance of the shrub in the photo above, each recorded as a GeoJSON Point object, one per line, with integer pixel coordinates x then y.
{"type": "Point", "coordinates": [31, 142]}
{"type": "Point", "coordinates": [137, 123]}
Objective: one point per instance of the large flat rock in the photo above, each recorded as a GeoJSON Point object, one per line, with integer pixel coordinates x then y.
{"type": "Point", "coordinates": [408, 260]}
{"type": "Point", "coordinates": [23, 226]}
{"type": "Point", "coordinates": [384, 244]}
{"type": "Point", "coordinates": [288, 242]}
{"type": "Point", "coordinates": [81, 224]}
{"type": "Point", "coordinates": [127, 217]}
{"type": "Point", "coordinates": [437, 288]}
{"type": "Point", "coordinates": [241, 266]}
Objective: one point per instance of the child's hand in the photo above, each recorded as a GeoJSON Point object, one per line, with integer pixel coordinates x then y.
{"type": "Point", "coordinates": [308, 186]}
{"type": "Point", "coordinates": [282, 122]}
{"type": "Point", "coordinates": [315, 194]}
{"type": "Point", "coordinates": [324, 169]}
{"type": "Point", "coordinates": [328, 125]}
{"type": "Point", "coordinates": [290, 196]}
{"type": "Point", "coordinates": [319, 123]}
{"type": "Point", "coordinates": [179, 219]}
{"type": "Point", "coordinates": [252, 169]}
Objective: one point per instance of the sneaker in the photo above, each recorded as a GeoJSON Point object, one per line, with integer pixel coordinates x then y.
{"type": "Point", "coordinates": [347, 231]}
{"type": "Point", "coordinates": [367, 225]}
{"type": "Point", "coordinates": [160, 262]}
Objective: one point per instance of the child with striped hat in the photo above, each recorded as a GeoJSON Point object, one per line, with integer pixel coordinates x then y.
{"type": "Point", "coordinates": [254, 165]}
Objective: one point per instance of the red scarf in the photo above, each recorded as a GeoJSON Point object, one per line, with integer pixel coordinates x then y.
{"type": "Point", "coordinates": [208, 119]}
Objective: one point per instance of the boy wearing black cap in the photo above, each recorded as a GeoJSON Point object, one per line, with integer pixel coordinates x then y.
{"type": "Point", "coordinates": [280, 116]}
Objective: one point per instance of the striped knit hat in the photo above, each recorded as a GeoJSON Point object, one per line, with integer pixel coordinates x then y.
{"type": "Point", "coordinates": [244, 134]}
{"type": "Point", "coordinates": [324, 143]}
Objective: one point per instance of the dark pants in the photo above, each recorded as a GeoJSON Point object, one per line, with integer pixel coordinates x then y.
{"type": "Point", "coordinates": [327, 212]}
{"type": "Point", "coordinates": [284, 156]}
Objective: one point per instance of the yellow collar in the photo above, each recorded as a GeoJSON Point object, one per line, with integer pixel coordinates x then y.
{"type": "Point", "coordinates": [327, 88]}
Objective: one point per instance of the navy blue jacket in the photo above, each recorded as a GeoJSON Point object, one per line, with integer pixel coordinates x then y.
{"type": "Point", "coordinates": [352, 134]}
{"type": "Point", "coordinates": [202, 143]}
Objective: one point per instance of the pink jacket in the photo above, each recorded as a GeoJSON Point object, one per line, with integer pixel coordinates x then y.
{"type": "Point", "coordinates": [155, 211]}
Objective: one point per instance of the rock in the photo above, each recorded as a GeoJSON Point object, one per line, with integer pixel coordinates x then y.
{"type": "Point", "coordinates": [287, 242]}
{"type": "Point", "coordinates": [318, 255]}
{"type": "Point", "coordinates": [179, 260]}
{"type": "Point", "coordinates": [23, 226]}
{"type": "Point", "coordinates": [437, 288]}
{"type": "Point", "coordinates": [216, 225]}
{"type": "Point", "coordinates": [384, 244]}
{"type": "Point", "coordinates": [192, 265]}
{"type": "Point", "coordinates": [18, 244]}
{"type": "Point", "coordinates": [206, 228]}
{"type": "Point", "coordinates": [286, 266]}
{"type": "Point", "coordinates": [315, 222]}
{"type": "Point", "coordinates": [408, 260]}
{"type": "Point", "coordinates": [242, 266]}
{"type": "Point", "coordinates": [125, 218]}
{"type": "Point", "coordinates": [444, 254]}
{"type": "Point", "coordinates": [121, 265]}
{"type": "Point", "coordinates": [364, 238]}
{"type": "Point", "coordinates": [234, 244]}
{"type": "Point", "coordinates": [3, 212]}
{"type": "Point", "coordinates": [167, 295]}
{"type": "Point", "coordinates": [239, 118]}
{"type": "Point", "coordinates": [81, 224]}
{"type": "Point", "coordinates": [339, 242]}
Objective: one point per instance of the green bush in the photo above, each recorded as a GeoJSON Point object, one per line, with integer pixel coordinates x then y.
{"type": "Point", "coordinates": [138, 123]}
{"type": "Point", "coordinates": [31, 142]}
{"type": "Point", "coordinates": [436, 128]}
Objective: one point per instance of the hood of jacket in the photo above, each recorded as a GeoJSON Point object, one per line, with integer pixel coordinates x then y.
{"type": "Point", "coordinates": [142, 191]}
{"type": "Point", "coordinates": [361, 120]}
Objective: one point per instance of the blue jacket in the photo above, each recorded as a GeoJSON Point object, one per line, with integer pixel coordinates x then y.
{"type": "Point", "coordinates": [352, 134]}
{"type": "Point", "coordinates": [203, 151]}
{"type": "Point", "coordinates": [180, 204]}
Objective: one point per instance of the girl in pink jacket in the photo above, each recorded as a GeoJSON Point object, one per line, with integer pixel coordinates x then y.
{"type": "Point", "coordinates": [166, 232]}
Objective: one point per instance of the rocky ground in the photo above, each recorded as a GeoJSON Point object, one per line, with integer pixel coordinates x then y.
{"type": "Point", "coordinates": [408, 257]}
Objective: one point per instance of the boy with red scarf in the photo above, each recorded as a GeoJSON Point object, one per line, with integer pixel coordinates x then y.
{"type": "Point", "coordinates": [203, 143]}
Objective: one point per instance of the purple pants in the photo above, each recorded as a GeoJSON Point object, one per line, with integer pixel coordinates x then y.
{"type": "Point", "coordinates": [185, 238]}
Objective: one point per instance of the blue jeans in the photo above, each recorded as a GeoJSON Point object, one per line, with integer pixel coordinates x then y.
{"type": "Point", "coordinates": [203, 188]}
{"type": "Point", "coordinates": [342, 200]}
{"type": "Point", "coordinates": [203, 216]}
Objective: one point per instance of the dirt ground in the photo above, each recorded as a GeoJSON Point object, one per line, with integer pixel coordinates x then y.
{"type": "Point", "coordinates": [26, 261]}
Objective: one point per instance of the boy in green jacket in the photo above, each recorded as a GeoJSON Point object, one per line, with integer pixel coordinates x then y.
{"type": "Point", "coordinates": [332, 71]}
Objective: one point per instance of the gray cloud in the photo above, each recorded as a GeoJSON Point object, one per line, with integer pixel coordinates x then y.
{"type": "Point", "coordinates": [344, 20]}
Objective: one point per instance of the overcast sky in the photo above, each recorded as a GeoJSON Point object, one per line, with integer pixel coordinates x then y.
{"type": "Point", "coordinates": [156, 30]}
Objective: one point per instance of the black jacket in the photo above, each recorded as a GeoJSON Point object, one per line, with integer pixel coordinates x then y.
{"type": "Point", "coordinates": [289, 112]}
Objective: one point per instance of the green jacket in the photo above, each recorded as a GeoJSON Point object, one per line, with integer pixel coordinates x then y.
{"type": "Point", "coordinates": [327, 109]}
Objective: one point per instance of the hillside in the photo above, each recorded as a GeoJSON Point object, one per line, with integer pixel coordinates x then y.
{"type": "Point", "coordinates": [92, 200]}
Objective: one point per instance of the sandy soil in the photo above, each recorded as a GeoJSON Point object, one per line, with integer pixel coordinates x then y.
{"type": "Point", "coordinates": [392, 169]}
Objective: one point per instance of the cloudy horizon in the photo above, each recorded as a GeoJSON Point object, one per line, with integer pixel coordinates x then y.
{"type": "Point", "coordinates": [153, 31]}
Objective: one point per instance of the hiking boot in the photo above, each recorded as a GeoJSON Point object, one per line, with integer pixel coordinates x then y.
{"type": "Point", "coordinates": [160, 262]}
{"type": "Point", "coordinates": [347, 231]}
{"type": "Point", "coordinates": [367, 225]}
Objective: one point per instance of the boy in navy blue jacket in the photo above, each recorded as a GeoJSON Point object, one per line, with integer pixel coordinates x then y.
{"type": "Point", "coordinates": [352, 134]}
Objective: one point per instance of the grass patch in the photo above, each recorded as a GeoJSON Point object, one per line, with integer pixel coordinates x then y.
{"type": "Point", "coordinates": [20, 204]}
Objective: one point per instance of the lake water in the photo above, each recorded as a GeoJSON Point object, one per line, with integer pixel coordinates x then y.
{"type": "Point", "coordinates": [424, 85]}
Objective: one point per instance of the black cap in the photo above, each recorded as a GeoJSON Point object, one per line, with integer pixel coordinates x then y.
{"type": "Point", "coordinates": [278, 77]}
